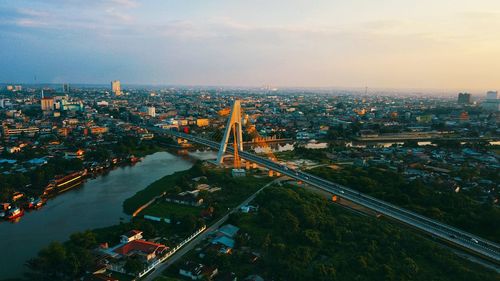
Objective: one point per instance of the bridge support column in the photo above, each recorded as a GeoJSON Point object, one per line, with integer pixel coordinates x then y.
{"type": "Point", "coordinates": [271, 173]}
{"type": "Point", "coordinates": [233, 124]}
{"type": "Point", "coordinates": [254, 166]}
{"type": "Point", "coordinates": [247, 165]}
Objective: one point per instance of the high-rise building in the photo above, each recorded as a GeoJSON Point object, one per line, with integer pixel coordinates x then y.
{"type": "Point", "coordinates": [464, 98]}
{"type": "Point", "coordinates": [492, 103]}
{"type": "Point", "coordinates": [47, 103]}
{"type": "Point", "coordinates": [65, 88]}
{"type": "Point", "coordinates": [149, 110]}
{"type": "Point", "coordinates": [116, 88]}
{"type": "Point", "coordinates": [492, 95]}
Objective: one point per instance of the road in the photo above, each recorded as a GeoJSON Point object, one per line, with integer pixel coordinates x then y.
{"type": "Point", "coordinates": [189, 246]}
{"type": "Point", "coordinates": [470, 242]}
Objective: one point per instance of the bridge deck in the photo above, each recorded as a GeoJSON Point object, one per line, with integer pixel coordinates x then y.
{"type": "Point", "coordinates": [472, 243]}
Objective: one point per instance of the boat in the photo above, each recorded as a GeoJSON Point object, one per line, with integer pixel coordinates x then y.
{"type": "Point", "coordinates": [39, 203]}
{"type": "Point", "coordinates": [134, 159]}
{"type": "Point", "coordinates": [14, 213]}
{"type": "Point", "coordinates": [4, 208]}
{"type": "Point", "coordinates": [64, 183]}
{"type": "Point", "coordinates": [35, 203]}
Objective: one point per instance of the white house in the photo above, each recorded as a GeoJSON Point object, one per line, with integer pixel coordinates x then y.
{"type": "Point", "coordinates": [131, 236]}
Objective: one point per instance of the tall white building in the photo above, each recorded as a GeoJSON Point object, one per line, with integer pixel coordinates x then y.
{"type": "Point", "coordinates": [116, 87]}
{"type": "Point", "coordinates": [492, 95]}
{"type": "Point", "coordinates": [492, 103]}
{"type": "Point", "coordinates": [65, 88]}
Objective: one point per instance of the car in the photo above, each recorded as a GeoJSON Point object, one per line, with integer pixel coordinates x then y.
{"type": "Point", "coordinates": [453, 236]}
{"type": "Point", "coordinates": [342, 192]}
{"type": "Point", "coordinates": [474, 240]}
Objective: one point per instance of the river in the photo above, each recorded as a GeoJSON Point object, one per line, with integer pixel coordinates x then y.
{"type": "Point", "coordinates": [97, 203]}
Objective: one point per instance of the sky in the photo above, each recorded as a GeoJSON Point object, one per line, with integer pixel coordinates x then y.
{"type": "Point", "coordinates": [396, 44]}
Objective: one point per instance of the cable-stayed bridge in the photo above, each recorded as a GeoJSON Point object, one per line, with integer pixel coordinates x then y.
{"type": "Point", "coordinates": [467, 241]}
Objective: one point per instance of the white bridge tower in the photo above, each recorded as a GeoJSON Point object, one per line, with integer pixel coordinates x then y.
{"type": "Point", "coordinates": [233, 125]}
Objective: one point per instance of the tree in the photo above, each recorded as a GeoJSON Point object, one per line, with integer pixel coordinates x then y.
{"type": "Point", "coordinates": [85, 239]}
{"type": "Point", "coordinates": [49, 262]}
{"type": "Point", "coordinates": [133, 265]}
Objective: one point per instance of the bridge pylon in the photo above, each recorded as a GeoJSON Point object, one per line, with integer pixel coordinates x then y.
{"type": "Point", "coordinates": [233, 125]}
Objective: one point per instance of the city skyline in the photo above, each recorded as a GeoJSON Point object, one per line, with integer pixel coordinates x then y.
{"type": "Point", "coordinates": [450, 45]}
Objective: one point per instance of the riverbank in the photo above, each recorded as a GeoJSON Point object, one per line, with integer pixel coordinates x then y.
{"type": "Point", "coordinates": [98, 204]}
{"type": "Point", "coordinates": [182, 220]}
{"type": "Point", "coordinates": [30, 200]}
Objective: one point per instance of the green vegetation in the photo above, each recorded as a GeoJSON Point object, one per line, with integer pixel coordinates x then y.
{"type": "Point", "coordinates": [70, 260]}
{"type": "Point", "coordinates": [165, 184]}
{"type": "Point", "coordinates": [300, 152]}
{"type": "Point", "coordinates": [234, 190]}
{"type": "Point", "coordinates": [59, 261]}
{"type": "Point", "coordinates": [129, 145]}
{"type": "Point", "coordinates": [170, 210]}
{"type": "Point", "coordinates": [302, 236]}
{"type": "Point", "coordinates": [33, 182]}
{"type": "Point", "coordinates": [64, 261]}
{"type": "Point", "coordinates": [436, 201]}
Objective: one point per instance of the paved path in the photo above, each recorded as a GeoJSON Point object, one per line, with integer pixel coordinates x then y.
{"type": "Point", "coordinates": [189, 246]}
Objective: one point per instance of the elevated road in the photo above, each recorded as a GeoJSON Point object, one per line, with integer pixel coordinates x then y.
{"type": "Point", "coordinates": [467, 241]}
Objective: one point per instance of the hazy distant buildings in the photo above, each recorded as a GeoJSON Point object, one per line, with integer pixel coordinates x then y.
{"type": "Point", "coordinates": [47, 103]}
{"type": "Point", "coordinates": [14, 88]}
{"type": "Point", "coordinates": [5, 103]}
{"type": "Point", "coordinates": [65, 88]}
{"type": "Point", "coordinates": [492, 103]}
{"type": "Point", "coordinates": [116, 87]}
{"type": "Point", "coordinates": [492, 95]}
{"type": "Point", "coordinates": [149, 110]}
{"type": "Point", "coordinates": [464, 98]}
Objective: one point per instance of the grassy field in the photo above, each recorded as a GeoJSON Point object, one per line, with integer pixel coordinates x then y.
{"type": "Point", "coordinates": [234, 190]}
{"type": "Point", "coordinates": [170, 210]}
{"type": "Point", "coordinates": [165, 184]}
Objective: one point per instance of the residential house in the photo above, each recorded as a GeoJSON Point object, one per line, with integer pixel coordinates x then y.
{"type": "Point", "coordinates": [197, 271]}
{"type": "Point", "coordinates": [148, 251]}
{"type": "Point", "coordinates": [185, 198]}
{"type": "Point", "coordinates": [131, 236]}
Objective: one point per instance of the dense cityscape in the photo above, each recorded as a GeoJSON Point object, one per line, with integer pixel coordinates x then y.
{"type": "Point", "coordinates": [436, 156]}
{"type": "Point", "coordinates": [257, 140]}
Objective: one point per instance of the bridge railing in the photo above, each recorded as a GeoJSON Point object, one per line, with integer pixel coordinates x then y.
{"type": "Point", "coordinates": [383, 207]}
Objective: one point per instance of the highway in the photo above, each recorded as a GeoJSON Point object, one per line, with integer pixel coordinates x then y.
{"type": "Point", "coordinates": [468, 241]}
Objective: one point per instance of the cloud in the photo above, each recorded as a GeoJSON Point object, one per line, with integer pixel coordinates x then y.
{"type": "Point", "coordinates": [119, 15]}
{"type": "Point", "coordinates": [125, 3]}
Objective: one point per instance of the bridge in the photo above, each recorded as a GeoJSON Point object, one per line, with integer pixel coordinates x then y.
{"type": "Point", "coordinates": [464, 240]}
